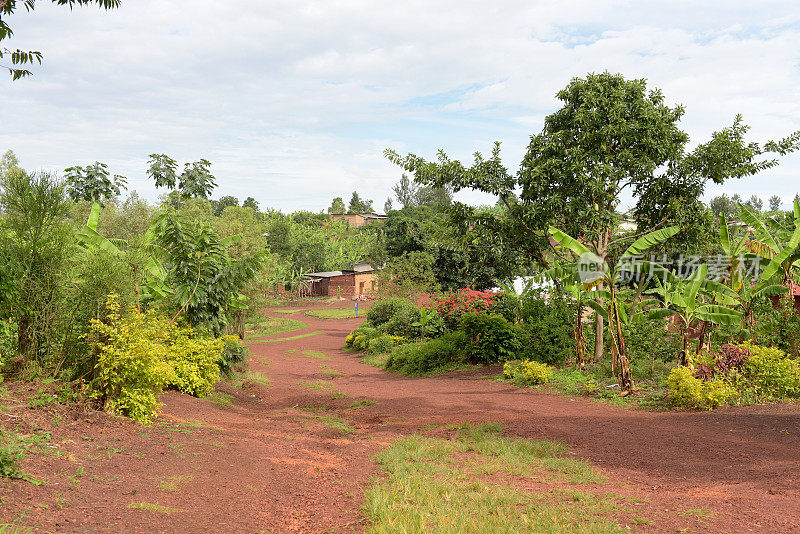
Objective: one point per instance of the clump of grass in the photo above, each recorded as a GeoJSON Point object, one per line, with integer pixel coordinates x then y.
{"type": "Point", "coordinates": [333, 373]}
{"type": "Point", "coordinates": [376, 360]}
{"type": "Point", "coordinates": [338, 395]}
{"type": "Point", "coordinates": [333, 313]}
{"type": "Point", "coordinates": [318, 384]}
{"type": "Point", "coordinates": [172, 483]}
{"type": "Point", "coordinates": [153, 507]}
{"type": "Point", "coordinates": [435, 485]}
{"type": "Point", "coordinates": [223, 400]}
{"type": "Point", "coordinates": [268, 326]}
{"type": "Point", "coordinates": [299, 336]}
{"type": "Point", "coordinates": [317, 354]}
{"type": "Point", "coordinates": [335, 422]}
{"type": "Point", "coordinates": [283, 310]}
{"type": "Point", "coordinates": [361, 403]}
{"type": "Point", "coordinates": [256, 376]}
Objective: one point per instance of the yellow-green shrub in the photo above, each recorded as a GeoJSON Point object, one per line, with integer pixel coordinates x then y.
{"type": "Point", "coordinates": [687, 391]}
{"type": "Point", "coordinates": [385, 343]}
{"type": "Point", "coordinates": [527, 371]}
{"type": "Point", "coordinates": [194, 361]}
{"type": "Point", "coordinates": [771, 372]}
{"type": "Point", "coordinates": [233, 356]}
{"type": "Point", "coordinates": [131, 368]}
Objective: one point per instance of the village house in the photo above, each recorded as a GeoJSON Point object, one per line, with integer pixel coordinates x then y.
{"type": "Point", "coordinates": [360, 280]}
{"type": "Point", "coordinates": [357, 220]}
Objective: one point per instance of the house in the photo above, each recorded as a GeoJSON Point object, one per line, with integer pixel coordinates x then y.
{"type": "Point", "coordinates": [357, 220]}
{"type": "Point", "coordinates": [359, 280]}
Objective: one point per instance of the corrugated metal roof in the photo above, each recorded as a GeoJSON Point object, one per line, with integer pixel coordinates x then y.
{"type": "Point", "coordinates": [328, 274]}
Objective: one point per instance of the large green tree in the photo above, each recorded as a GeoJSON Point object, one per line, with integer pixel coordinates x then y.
{"type": "Point", "coordinates": [196, 180]}
{"type": "Point", "coordinates": [611, 137]}
{"type": "Point", "coordinates": [93, 183]}
{"type": "Point", "coordinates": [20, 58]}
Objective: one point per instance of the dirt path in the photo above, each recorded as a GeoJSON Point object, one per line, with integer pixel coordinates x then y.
{"type": "Point", "coordinates": [270, 458]}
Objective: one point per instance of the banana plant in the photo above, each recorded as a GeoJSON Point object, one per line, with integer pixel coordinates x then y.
{"type": "Point", "coordinates": [604, 295]}
{"type": "Point", "coordinates": [780, 246]}
{"type": "Point", "coordinates": [686, 299]}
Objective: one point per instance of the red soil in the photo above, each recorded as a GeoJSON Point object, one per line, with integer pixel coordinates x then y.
{"type": "Point", "coordinates": [266, 465]}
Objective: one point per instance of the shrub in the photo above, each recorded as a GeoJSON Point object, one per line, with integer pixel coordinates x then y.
{"type": "Point", "coordinates": [455, 305]}
{"type": "Point", "coordinates": [527, 371]}
{"type": "Point", "coordinates": [548, 327]}
{"type": "Point", "coordinates": [234, 355]}
{"type": "Point", "coordinates": [491, 337]}
{"type": "Point", "coordinates": [771, 372]}
{"type": "Point", "coordinates": [359, 338]}
{"type": "Point", "coordinates": [405, 322]}
{"type": "Point", "coordinates": [426, 357]}
{"type": "Point", "coordinates": [383, 310]}
{"type": "Point", "coordinates": [131, 368]}
{"type": "Point", "coordinates": [384, 344]}
{"type": "Point", "coordinates": [194, 361]}
{"type": "Point", "coordinates": [687, 391]}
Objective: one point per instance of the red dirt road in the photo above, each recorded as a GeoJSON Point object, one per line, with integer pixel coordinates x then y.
{"type": "Point", "coordinates": [270, 463]}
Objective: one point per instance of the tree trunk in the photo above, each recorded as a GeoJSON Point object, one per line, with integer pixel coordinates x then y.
{"type": "Point", "coordinates": [580, 339]}
{"type": "Point", "coordinates": [683, 356]}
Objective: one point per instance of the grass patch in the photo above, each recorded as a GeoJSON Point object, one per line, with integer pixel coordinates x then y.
{"type": "Point", "coordinates": [316, 354]}
{"type": "Point", "coordinates": [438, 485]}
{"type": "Point", "coordinates": [317, 384]}
{"type": "Point", "coordinates": [255, 376]}
{"type": "Point", "coordinates": [335, 422]}
{"type": "Point", "coordinates": [223, 400]}
{"type": "Point", "coordinates": [14, 447]}
{"type": "Point", "coordinates": [375, 360]}
{"type": "Point", "coordinates": [334, 313]}
{"type": "Point", "coordinates": [286, 311]}
{"type": "Point", "coordinates": [333, 373]}
{"type": "Point", "coordinates": [152, 507]}
{"type": "Point", "coordinates": [361, 403]}
{"type": "Point", "coordinates": [172, 483]}
{"type": "Point", "coordinates": [268, 326]}
{"type": "Point", "coordinates": [338, 395]}
{"type": "Point", "coordinates": [301, 336]}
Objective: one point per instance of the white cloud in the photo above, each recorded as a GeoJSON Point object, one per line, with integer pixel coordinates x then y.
{"type": "Point", "coordinates": [293, 102]}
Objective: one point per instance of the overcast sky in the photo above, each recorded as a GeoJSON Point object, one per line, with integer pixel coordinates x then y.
{"type": "Point", "coordinates": [293, 101]}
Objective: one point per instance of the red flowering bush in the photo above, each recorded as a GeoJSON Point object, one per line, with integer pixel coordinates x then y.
{"type": "Point", "coordinates": [454, 306]}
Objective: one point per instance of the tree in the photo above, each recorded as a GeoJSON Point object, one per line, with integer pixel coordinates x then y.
{"type": "Point", "coordinates": [337, 206]}
{"type": "Point", "coordinates": [610, 135]}
{"type": "Point", "coordinates": [387, 206]}
{"type": "Point", "coordinates": [405, 191]}
{"type": "Point", "coordinates": [21, 57]}
{"type": "Point", "coordinates": [774, 203]}
{"type": "Point", "coordinates": [754, 203]}
{"type": "Point", "coordinates": [93, 183]}
{"type": "Point", "coordinates": [359, 206]}
{"type": "Point", "coordinates": [251, 203]}
{"type": "Point", "coordinates": [224, 202]}
{"type": "Point", "coordinates": [196, 180]}
{"type": "Point", "coordinates": [410, 194]}
{"type": "Point", "coordinates": [8, 162]}
{"type": "Point", "coordinates": [725, 206]}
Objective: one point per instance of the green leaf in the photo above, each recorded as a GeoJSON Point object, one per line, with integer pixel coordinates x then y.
{"type": "Point", "coordinates": [661, 313]}
{"type": "Point", "coordinates": [569, 242]}
{"type": "Point", "coordinates": [593, 304]}
{"type": "Point", "coordinates": [759, 228]}
{"type": "Point", "coordinates": [718, 314]}
{"type": "Point", "coordinates": [724, 239]}
{"type": "Point", "coordinates": [650, 240]}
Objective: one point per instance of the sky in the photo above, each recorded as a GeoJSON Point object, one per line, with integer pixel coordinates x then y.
{"type": "Point", "coordinates": [294, 102]}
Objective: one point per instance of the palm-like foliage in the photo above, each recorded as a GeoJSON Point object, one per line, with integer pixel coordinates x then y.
{"type": "Point", "coordinates": [778, 245]}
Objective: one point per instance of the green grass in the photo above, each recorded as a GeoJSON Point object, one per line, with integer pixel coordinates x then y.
{"type": "Point", "coordinates": [335, 422]}
{"type": "Point", "coordinates": [173, 483]}
{"type": "Point", "coordinates": [361, 403]}
{"type": "Point", "coordinates": [440, 486]}
{"type": "Point", "coordinates": [333, 373]}
{"type": "Point", "coordinates": [333, 313]}
{"type": "Point", "coordinates": [255, 376]}
{"type": "Point", "coordinates": [317, 354]}
{"type": "Point", "coordinates": [223, 400]}
{"type": "Point", "coordinates": [318, 384]}
{"type": "Point", "coordinates": [283, 310]}
{"type": "Point", "coordinates": [152, 507]}
{"type": "Point", "coordinates": [375, 360]}
{"type": "Point", "coordinates": [301, 336]}
{"type": "Point", "coordinates": [268, 326]}
{"type": "Point", "coordinates": [15, 529]}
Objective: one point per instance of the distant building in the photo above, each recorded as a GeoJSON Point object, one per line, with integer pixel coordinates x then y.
{"type": "Point", "coordinates": [357, 220]}
{"type": "Point", "coordinates": [359, 280]}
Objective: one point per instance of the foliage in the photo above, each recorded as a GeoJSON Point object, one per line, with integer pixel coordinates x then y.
{"type": "Point", "coordinates": [383, 310]}
{"type": "Point", "coordinates": [359, 338]}
{"type": "Point", "coordinates": [408, 274]}
{"type": "Point", "coordinates": [196, 180]}
{"type": "Point", "coordinates": [435, 355]}
{"type": "Point", "coordinates": [195, 362]}
{"type": "Point", "coordinates": [687, 391]}
{"type": "Point", "coordinates": [337, 206]}
{"type": "Point", "coordinates": [490, 337]}
{"type": "Point", "coordinates": [131, 362]}
{"type": "Point", "coordinates": [527, 371]}
{"type": "Point", "coordinates": [771, 372]}
{"type": "Point", "coordinates": [22, 57]}
{"type": "Point", "coordinates": [93, 183]}
{"type": "Point", "coordinates": [454, 306]}
{"type": "Point", "coordinates": [384, 344]}
{"type": "Point", "coordinates": [234, 355]}
{"type": "Point", "coordinates": [548, 325]}
{"type": "Point", "coordinates": [357, 205]}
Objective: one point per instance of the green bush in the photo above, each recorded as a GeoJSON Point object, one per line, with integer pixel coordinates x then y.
{"type": "Point", "coordinates": [687, 391]}
{"type": "Point", "coordinates": [383, 310]}
{"type": "Point", "coordinates": [423, 358]}
{"type": "Point", "coordinates": [547, 326]}
{"type": "Point", "coordinates": [234, 355]}
{"type": "Point", "coordinates": [490, 337]}
{"type": "Point", "coordinates": [527, 371]}
{"type": "Point", "coordinates": [359, 338]}
{"type": "Point", "coordinates": [194, 361]}
{"type": "Point", "coordinates": [771, 372]}
{"type": "Point", "coordinates": [384, 344]}
{"type": "Point", "coordinates": [131, 368]}
{"type": "Point", "coordinates": [404, 323]}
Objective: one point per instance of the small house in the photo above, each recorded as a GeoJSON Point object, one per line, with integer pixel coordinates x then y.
{"type": "Point", "coordinates": [360, 280]}
{"type": "Point", "coordinates": [357, 220]}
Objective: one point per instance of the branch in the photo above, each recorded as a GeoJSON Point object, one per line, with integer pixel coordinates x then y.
{"type": "Point", "coordinates": [640, 234]}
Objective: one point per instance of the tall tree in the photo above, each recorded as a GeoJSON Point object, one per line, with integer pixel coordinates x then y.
{"type": "Point", "coordinates": [357, 205]}
{"type": "Point", "coordinates": [196, 180]}
{"type": "Point", "coordinates": [405, 191]}
{"type": "Point", "coordinates": [93, 183]}
{"type": "Point", "coordinates": [19, 57]}
{"type": "Point", "coordinates": [754, 203]}
{"type": "Point", "coordinates": [387, 206]}
{"type": "Point", "coordinates": [251, 203]}
{"type": "Point", "coordinates": [610, 135]}
{"type": "Point", "coordinates": [337, 206]}
{"type": "Point", "coordinates": [7, 162]}
{"type": "Point", "coordinates": [774, 203]}
{"type": "Point", "coordinates": [224, 202]}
